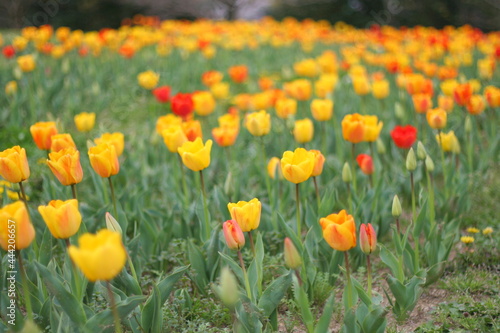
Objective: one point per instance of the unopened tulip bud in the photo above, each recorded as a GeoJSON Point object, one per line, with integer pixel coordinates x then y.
{"type": "Point", "coordinates": [228, 291]}
{"type": "Point", "coordinates": [468, 125]}
{"type": "Point", "coordinates": [396, 207]}
{"type": "Point", "coordinates": [421, 152]}
{"type": "Point", "coordinates": [429, 164]}
{"type": "Point", "coordinates": [411, 161]}
{"type": "Point", "coordinates": [380, 147]}
{"type": "Point", "coordinates": [292, 256]}
{"type": "Point", "coordinates": [234, 236]}
{"type": "Point", "coordinates": [399, 111]}
{"type": "Point", "coordinates": [367, 238]}
{"type": "Point", "coordinates": [346, 173]}
{"type": "Point", "coordinates": [112, 224]}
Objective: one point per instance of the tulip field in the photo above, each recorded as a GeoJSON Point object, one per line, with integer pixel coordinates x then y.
{"type": "Point", "coordinates": [260, 176]}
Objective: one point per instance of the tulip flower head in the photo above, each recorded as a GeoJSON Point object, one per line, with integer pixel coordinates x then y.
{"type": "Point", "coordinates": [273, 166]}
{"type": "Point", "coordinates": [204, 103]}
{"type": "Point", "coordinates": [404, 136]}
{"type": "Point", "coordinates": [104, 160]}
{"type": "Point", "coordinates": [116, 139]}
{"type": "Point", "coordinates": [297, 166]}
{"type": "Point", "coordinates": [100, 256]}
{"type": "Point", "coordinates": [61, 217]}
{"type": "Point", "coordinates": [65, 165]}
{"type": "Point", "coordinates": [246, 214]}
{"type": "Point", "coordinates": [292, 256]}
{"type": "Point", "coordinates": [322, 109]}
{"type": "Point", "coordinates": [62, 141]}
{"type": "Point", "coordinates": [148, 79]}
{"type": "Point", "coordinates": [448, 142]}
{"type": "Point", "coordinates": [235, 239]}
{"type": "Point", "coordinates": [238, 73]}
{"type": "Point", "coordinates": [196, 155]}
{"type": "Point", "coordinates": [162, 94]}
{"type": "Point", "coordinates": [26, 63]}
{"type": "Point", "coordinates": [225, 136]}
{"type": "Point", "coordinates": [182, 105]}
{"type": "Point", "coordinates": [319, 161]}
{"type": "Point", "coordinates": [365, 163]}
{"type": "Point", "coordinates": [367, 238]}
{"type": "Point", "coordinates": [353, 128]}
{"type": "Point", "coordinates": [339, 231]}
{"type": "Point", "coordinates": [85, 121]}
{"type": "Point", "coordinates": [14, 165]}
{"type": "Point", "coordinates": [372, 128]}
{"type": "Point", "coordinates": [174, 137]}
{"type": "Point", "coordinates": [304, 130]}
{"type": "Point", "coordinates": [42, 133]}
{"type": "Point", "coordinates": [258, 123]}
{"type": "Point", "coordinates": [24, 232]}
{"type": "Point", "coordinates": [436, 118]}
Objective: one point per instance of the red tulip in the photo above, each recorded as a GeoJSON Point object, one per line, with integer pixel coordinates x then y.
{"type": "Point", "coordinates": [182, 105]}
{"type": "Point", "coordinates": [404, 136]}
{"type": "Point", "coordinates": [9, 51]}
{"type": "Point", "coordinates": [162, 94]}
{"type": "Point", "coordinates": [365, 162]}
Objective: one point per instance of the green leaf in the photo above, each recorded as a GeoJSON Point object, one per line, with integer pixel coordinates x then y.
{"type": "Point", "coordinates": [234, 267]}
{"type": "Point", "coordinates": [259, 259]}
{"type": "Point", "coordinates": [164, 288]}
{"type": "Point", "coordinates": [361, 292]}
{"type": "Point", "coordinates": [303, 303]}
{"type": "Point", "coordinates": [390, 260]}
{"type": "Point", "coordinates": [290, 233]}
{"type": "Point", "coordinates": [274, 293]}
{"type": "Point", "coordinates": [45, 250]}
{"type": "Point", "coordinates": [103, 321]}
{"type": "Point", "coordinates": [326, 317]}
{"type": "Point", "coordinates": [69, 303]}
{"type": "Point", "coordinates": [197, 261]}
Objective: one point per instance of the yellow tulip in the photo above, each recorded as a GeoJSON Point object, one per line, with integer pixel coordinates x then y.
{"type": "Point", "coordinates": [204, 103]}
{"type": "Point", "coordinates": [448, 142]}
{"type": "Point", "coordinates": [258, 123]}
{"type": "Point", "coordinates": [196, 155]}
{"type": "Point", "coordinates": [148, 79]}
{"type": "Point", "coordinates": [304, 130]}
{"type": "Point", "coordinates": [99, 257]}
{"type": "Point", "coordinates": [14, 165]}
{"type": "Point", "coordinates": [247, 214]}
{"type": "Point", "coordinates": [17, 235]}
{"type": "Point", "coordinates": [380, 89]}
{"type": "Point", "coordinates": [174, 137]}
{"type": "Point", "coordinates": [26, 63]}
{"type": "Point", "coordinates": [297, 166]}
{"type": "Point", "coordinates": [116, 139]}
{"type": "Point", "coordinates": [42, 133]}
{"type": "Point", "coordinates": [65, 165]}
{"type": "Point", "coordinates": [372, 128]}
{"type": "Point", "coordinates": [319, 161]}
{"type": "Point", "coordinates": [220, 90]}
{"type": "Point", "coordinates": [104, 160]}
{"type": "Point", "coordinates": [272, 166]}
{"type": "Point", "coordinates": [322, 109]}
{"type": "Point", "coordinates": [285, 107]}
{"type": "Point", "coordinates": [85, 121]}
{"type": "Point", "coordinates": [11, 88]}
{"type": "Point", "coordinates": [353, 128]}
{"type": "Point", "coordinates": [436, 118]}
{"type": "Point", "coordinates": [61, 141]}
{"type": "Point", "coordinates": [62, 217]}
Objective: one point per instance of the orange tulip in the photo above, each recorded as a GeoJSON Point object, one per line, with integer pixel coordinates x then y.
{"type": "Point", "coordinates": [463, 93]}
{"type": "Point", "coordinates": [436, 118]}
{"type": "Point", "coordinates": [238, 73]}
{"type": "Point", "coordinates": [62, 217]}
{"type": "Point", "coordinates": [62, 141]}
{"type": "Point", "coordinates": [476, 105]}
{"type": "Point", "coordinates": [339, 231]}
{"type": "Point", "coordinates": [353, 128]}
{"type": "Point", "coordinates": [422, 102]}
{"type": "Point", "coordinates": [104, 160]}
{"type": "Point", "coordinates": [116, 139]}
{"type": "Point", "coordinates": [192, 129]}
{"type": "Point", "coordinates": [225, 136]}
{"type": "Point", "coordinates": [42, 133]}
{"type": "Point", "coordinates": [65, 165]}
{"type": "Point", "coordinates": [17, 235]}
{"type": "Point", "coordinates": [235, 239]}
{"type": "Point", "coordinates": [319, 161]}
{"type": "Point", "coordinates": [14, 165]}
{"type": "Point", "coordinates": [367, 238]}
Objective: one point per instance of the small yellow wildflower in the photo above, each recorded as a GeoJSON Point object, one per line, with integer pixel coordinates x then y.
{"type": "Point", "coordinates": [467, 239]}
{"type": "Point", "coordinates": [487, 231]}
{"type": "Point", "coordinates": [473, 230]}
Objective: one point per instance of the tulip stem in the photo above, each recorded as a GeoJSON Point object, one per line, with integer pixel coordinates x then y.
{"type": "Point", "coordinates": [349, 284]}
{"type": "Point", "coordinates": [414, 221]}
{"type": "Point", "coordinates": [250, 237]}
{"type": "Point", "coordinates": [297, 200]}
{"type": "Point", "coordinates": [73, 190]}
{"type": "Point", "coordinates": [398, 227]}
{"type": "Point", "coordinates": [24, 279]}
{"type": "Point", "coordinates": [113, 198]}
{"type": "Point", "coordinates": [317, 191]}
{"type": "Point", "coordinates": [297, 274]}
{"type": "Point", "coordinates": [183, 180]}
{"type": "Point", "coordinates": [247, 283]}
{"type": "Point", "coordinates": [205, 206]}
{"type": "Point", "coordinates": [349, 196]}
{"type": "Point", "coordinates": [264, 161]}
{"type": "Point", "coordinates": [430, 188]}
{"type": "Point", "coordinates": [470, 144]}
{"type": "Point", "coordinates": [372, 175]}
{"type": "Point", "coordinates": [443, 165]}
{"type": "Point", "coordinates": [24, 199]}
{"type": "Point", "coordinates": [323, 137]}
{"type": "Point", "coordinates": [369, 276]}
{"type": "Point", "coordinates": [353, 153]}
{"type": "Point", "coordinates": [116, 316]}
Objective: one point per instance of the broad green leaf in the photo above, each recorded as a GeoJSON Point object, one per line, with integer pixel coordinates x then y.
{"type": "Point", "coordinates": [273, 294]}
{"type": "Point", "coordinates": [103, 321]}
{"type": "Point", "coordinates": [303, 304]}
{"type": "Point", "coordinates": [197, 261]}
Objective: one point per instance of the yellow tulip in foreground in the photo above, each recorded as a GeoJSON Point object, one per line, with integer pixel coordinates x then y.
{"type": "Point", "coordinates": [62, 217]}
{"type": "Point", "coordinates": [100, 256]}
{"type": "Point", "coordinates": [297, 166]}
{"type": "Point", "coordinates": [196, 155]}
{"type": "Point", "coordinates": [14, 164]}
{"type": "Point", "coordinates": [24, 232]}
{"type": "Point", "coordinates": [65, 165]}
{"type": "Point", "coordinates": [247, 214]}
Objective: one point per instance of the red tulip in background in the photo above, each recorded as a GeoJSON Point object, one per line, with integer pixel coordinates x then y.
{"type": "Point", "coordinates": [182, 105]}
{"type": "Point", "coordinates": [9, 51]}
{"type": "Point", "coordinates": [365, 163]}
{"type": "Point", "coordinates": [162, 94]}
{"type": "Point", "coordinates": [404, 136]}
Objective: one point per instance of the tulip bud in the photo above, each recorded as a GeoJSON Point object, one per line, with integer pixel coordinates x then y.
{"type": "Point", "coordinates": [346, 173]}
{"type": "Point", "coordinates": [234, 236]}
{"type": "Point", "coordinates": [468, 125]}
{"type": "Point", "coordinates": [429, 164]}
{"type": "Point", "coordinates": [292, 256]}
{"type": "Point", "coordinates": [396, 207]}
{"type": "Point", "coordinates": [421, 152]}
{"type": "Point", "coordinates": [411, 161]}
{"type": "Point", "coordinates": [399, 111]}
{"type": "Point", "coordinates": [367, 238]}
{"type": "Point", "coordinates": [380, 146]}
{"type": "Point", "coordinates": [228, 291]}
{"type": "Point", "coordinates": [113, 224]}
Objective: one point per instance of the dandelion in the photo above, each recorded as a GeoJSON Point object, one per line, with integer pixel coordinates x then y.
{"type": "Point", "coordinates": [472, 230]}
{"type": "Point", "coordinates": [487, 231]}
{"type": "Point", "coordinates": [467, 239]}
